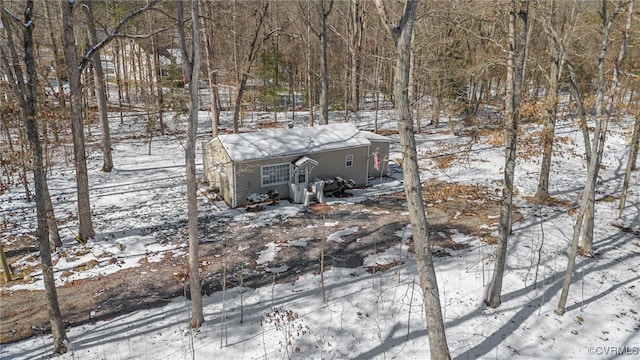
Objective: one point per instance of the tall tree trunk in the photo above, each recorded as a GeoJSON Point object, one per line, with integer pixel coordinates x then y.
{"type": "Point", "coordinates": [582, 112]}
{"type": "Point", "coordinates": [402, 35]}
{"type": "Point", "coordinates": [150, 99]}
{"type": "Point", "coordinates": [7, 274]}
{"type": "Point", "coordinates": [153, 83]}
{"type": "Point", "coordinates": [52, 223]}
{"type": "Point", "coordinates": [191, 63]}
{"type": "Point", "coordinates": [411, 91]}
{"type": "Point", "coordinates": [515, 67]}
{"type": "Point", "coordinates": [357, 36]}
{"type": "Point", "coordinates": [126, 72]}
{"type": "Point", "coordinates": [237, 109]}
{"type": "Point", "coordinates": [437, 103]}
{"type": "Point", "coordinates": [85, 225]}
{"type": "Point", "coordinates": [30, 112]}
{"type": "Point", "coordinates": [633, 154]}
{"type": "Point", "coordinates": [602, 115]}
{"type": "Point", "coordinates": [212, 72]}
{"type": "Point", "coordinates": [253, 55]}
{"type": "Point", "coordinates": [598, 136]}
{"type": "Point", "coordinates": [56, 54]}
{"type": "Point", "coordinates": [324, 78]}
{"type": "Point", "coordinates": [53, 308]}
{"type": "Point", "coordinates": [25, 166]}
{"type": "Point", "coordinates": [101, 93]}
{"type": "Point", "coordinates": [86, 77]}
{"type": "Point", "coordinates": [310, 92]}
{"type": "Point", "coordinates": [548, 133]}
{"type": "Point", "coordinates": [346, 97]}
{"type": "Point", "coordinates": [596, 151]}
{"type": "Point", "coordinates": [118, 70]}
{"type": "Point", "coordinates": [378, 75]}
{"type": "Point", "coordinates": [138, 74]}
{"type": "Point", "coordinates": [157, 71]}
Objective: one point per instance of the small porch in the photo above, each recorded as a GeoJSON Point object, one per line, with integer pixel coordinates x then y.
{"type": "Point", "coordinates": [304, 191]}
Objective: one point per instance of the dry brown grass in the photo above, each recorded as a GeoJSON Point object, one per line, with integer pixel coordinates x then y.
{"type": "Point", "coordinates": [271, 125]}
{"type": "Point", "coordinates": [320, 208]}
{"type": "Point", "coordinates": [384, 267]}
{"type": "Point", "coordinates": [495, 138]}
{"type": "Point", "coordinates": [434, 190]}
{"type": "Point", "coordinates": [444, 161]}
{"type": "Point", "coordinates": [387, 132]}
{"type": "Point", "coordinates": [550, 201]}
{"type": "Point", "coordinates": [473, 209]}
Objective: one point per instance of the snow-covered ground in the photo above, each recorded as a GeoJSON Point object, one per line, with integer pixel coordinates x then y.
{"type": "Point", "coordinates": [366, 315]}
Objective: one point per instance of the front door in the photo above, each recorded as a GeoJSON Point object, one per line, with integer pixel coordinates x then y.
{"type": "Point", "coordinates": [301, 177]}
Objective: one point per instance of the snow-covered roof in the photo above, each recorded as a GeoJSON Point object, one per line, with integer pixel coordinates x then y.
{"type": "Point", "coordinates": [286, 142]}
{"type": "Point", "coordinates": [375, 137]}
{"type": "Point", "coordinates": [304, 161]}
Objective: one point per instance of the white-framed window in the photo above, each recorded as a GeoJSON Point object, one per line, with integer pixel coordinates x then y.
{"type": "Point", "coordinates": [274, 174]}
{"type": "Point", "coordinates": [302, 175]}
{"type": "Point", "coordinates": [348, 160]}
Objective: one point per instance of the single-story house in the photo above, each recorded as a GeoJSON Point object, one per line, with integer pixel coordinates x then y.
{"type": "Point", "coordinates": [292, 162]}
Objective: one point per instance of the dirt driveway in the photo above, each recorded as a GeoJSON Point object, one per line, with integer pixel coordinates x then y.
{"type": "Point", "coordinates": [234, 248]}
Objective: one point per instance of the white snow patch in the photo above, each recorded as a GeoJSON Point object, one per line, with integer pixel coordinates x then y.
{"type": "Point", "coordinates": [267, 255]}
{"type": "Point", "coordinates": [337, 236]}
{"type": "Point", "coordinates": [302, 242]}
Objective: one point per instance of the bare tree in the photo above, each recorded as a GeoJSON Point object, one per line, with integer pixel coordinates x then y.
{"type": "Point", "coordinates": [596, 150]}
{"type": "Point", "coordinates": [26, 95]}
{"type": "Point", "coordinates": [357, 23]}
{"type": "Point", "coordinates": [633, 154]}
{"type": "Point", "coordinates": [191, 64]}
{"type": "Point", "coordinates": [402, 33]}
{"type": "Point", "coordinates": [54, 47]}
{"type": "Point", "coordinates": [18, 90]}
{"type": "Point", "coordinates": [515, 74]}
{"type": "Point", "coordinates": [157, 78]}
{"type": "Point", "coordinates": [548, 133]}
{"type": "Point", "coordinates": [602, 122]}
{"type": "Point", "coordinates": [85, 224]}
{"type": "Point", "coordinates": [633, 142]}
{"type": "Point", "coordinates": [310, 91]}
{"type": "Point", "coordinates": [101, 93]}
{"type": "Point", "coordinates": [324, 9]}
{"type": "Point", "coordinates": [75, 66]}
{"type": "Point", "coordinates": [323, 13]}
{"type": "Point", "coordinates": [54, 234]}
{"type": "Point", "coordinates": [252, 56]}
{"type": "Point", "coordinates": [212, 71]}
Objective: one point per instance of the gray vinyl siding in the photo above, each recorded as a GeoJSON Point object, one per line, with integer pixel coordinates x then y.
{"type": "Point", "coordinates": [233, 162]}
{"type": "Point", "coordinates": [218, 169]}
{"type": "Point", "coordinates": [331, 164]}
{"type": "Point", "coordinates": [383, 148]}
{"type": "Point", "coordinates": [249, 179]}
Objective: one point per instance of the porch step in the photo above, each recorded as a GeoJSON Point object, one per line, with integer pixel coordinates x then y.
{"type": "Point", "coordinates": [311, 197]}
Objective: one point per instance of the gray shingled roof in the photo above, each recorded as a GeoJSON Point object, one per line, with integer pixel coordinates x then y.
{"type": "Point", "coordinates": [300, 140]}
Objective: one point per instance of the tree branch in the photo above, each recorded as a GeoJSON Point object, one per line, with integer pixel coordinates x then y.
{"type": "Point", "coordinates": [307, 20]}
{"type": "Point", "coordinates": [115, 33]}
{"type": "Point", "coordinates": [393, 28]}
{"type": "Point", "coordinates": [10, 14]}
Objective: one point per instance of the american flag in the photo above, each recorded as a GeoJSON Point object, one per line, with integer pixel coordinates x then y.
{"type": "Point", "coordinates": [376, 160]}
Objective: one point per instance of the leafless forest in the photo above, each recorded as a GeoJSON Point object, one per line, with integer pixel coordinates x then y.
{"type": "Point", "coordinates": [68, 65]}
